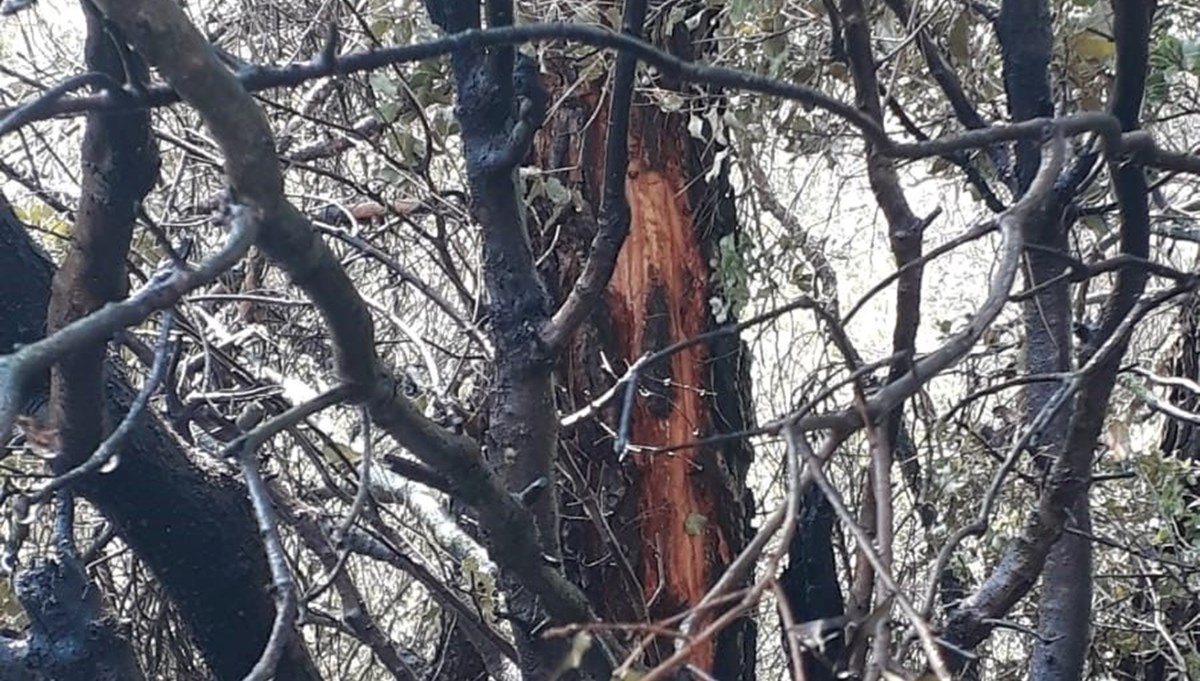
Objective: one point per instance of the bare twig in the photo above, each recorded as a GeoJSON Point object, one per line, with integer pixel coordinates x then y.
{"type": "Point", "coordinates": [354, 608]}
{"type": "Point", "coordinates": [621, 444]}
{"type": "Point", "coordinates": [629, 378]}
{"type": "Point", "coordinates": [783, 520]}
{"type": "Point", "coordinates": [262, 78]}
{"type": "Point", "coordinates": [260, 434]}
{"type": "Point", "coordinates": [281, 575]}
{"type": "Point", "coordinates": [44, 104]}
{"type": "Point", "coordinates": [364, 480]}
{"type": "Point", "coordinates": [361, 498]}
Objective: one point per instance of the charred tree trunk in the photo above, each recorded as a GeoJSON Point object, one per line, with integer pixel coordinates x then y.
{"type": "Point", "coordinates": [1026, 40]}
{"type": "Point", "coordinates": [811, 585]}
{"type": "Point", "coordinates": [648, 534]}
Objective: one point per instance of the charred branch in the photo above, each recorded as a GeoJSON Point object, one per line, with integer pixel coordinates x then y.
{"type": "Point", "coordinates": [264, 77]}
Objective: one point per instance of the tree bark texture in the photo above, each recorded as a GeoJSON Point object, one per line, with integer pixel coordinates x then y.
{"type": "Point", "coordinates": [1026, 39]}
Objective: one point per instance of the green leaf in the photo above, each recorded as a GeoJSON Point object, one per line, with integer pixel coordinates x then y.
{"type": "Point", "coordinates": [960, 38]}
{"type": "Point", "coordinates": [694, 524]}
{"type": "Point", "coordinates": [557, 192]}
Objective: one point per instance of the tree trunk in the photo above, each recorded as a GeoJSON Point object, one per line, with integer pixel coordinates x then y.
{"type": "Point", "coordinates": [811, 586]}
{"type": "Point", "coordinates": [648, 535]}
{"type": "Point", "coordinates": [1064, 611]}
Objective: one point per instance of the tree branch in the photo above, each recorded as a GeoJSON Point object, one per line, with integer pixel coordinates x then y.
{"type": "Point", "coordinates": [24, 365]}
{"type": "Point", "coordinates": [261, 78]}
{"type": "Point", "coordinates": [1069, 476]}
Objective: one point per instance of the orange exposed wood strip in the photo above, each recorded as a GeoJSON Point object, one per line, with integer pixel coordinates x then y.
{"type": "Point", "coordinates": [663, 252]}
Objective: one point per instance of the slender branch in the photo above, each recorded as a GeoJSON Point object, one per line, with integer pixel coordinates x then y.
{"type": "Point", "coordinates": [944, 75]}
{"type": "Point", "coordinates": [783, 519]}
{"type": "Point", "coordinates": [364, 481]}
{"type": "Point", "coordinates": [281, 575]}
{"type": "Point", "coordinates": [1018, 569]}
{"type": "Point", "coordinates": [289, 419]}
{"type": "Point", "coordinates": [1011, 222]}
{"type": "Point", "coordinates": [334, 572]}
{"type": "Point", "coordinates": [385, 550]}
{"type": "Point", "coordinates": [621, 444]}
{"type": "Point", "coordinates": [259, 78]}
{"type": "Point", "coordinates": [407, 276]}
{"type": "Point", "coordinates": [629, 379]}
{"type": "Point", "coordinates": [162, 33]}
{"type": "Point", "coordinates": [43, 106]}
{"type": "Point", "coordinates": [977, 232]}
{"type": "Point", "coordinates": [354, 608]}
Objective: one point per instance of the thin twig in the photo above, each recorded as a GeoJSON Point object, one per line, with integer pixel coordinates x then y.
{"type": "Point", "coordinates": [263, 77]}
{"type": "Point", "coordinates": [361, 498]}
{"type": "Point", "coordinates": [43, 105]}
{"type": "Point", "coordinates": [281, 575]}
{"type": "Point", "coordinates": [621, 444]}
{"type": "Point", "coordinates": [288, 419]}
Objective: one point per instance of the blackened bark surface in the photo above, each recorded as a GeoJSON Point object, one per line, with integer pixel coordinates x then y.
{"type": "Point", "coordinates": [499, 101]}
{"type": "Point", "coordinates": [1024, 30]}
{"type": "Point", "coordinates": [1180, 438]}
{"type": "Point", "coordinates": [69, 637]}
{"type": "Point", "coordinates": [810, 582]}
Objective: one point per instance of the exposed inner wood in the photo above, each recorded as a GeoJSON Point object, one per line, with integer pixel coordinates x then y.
{"type": "Point", "coordinates": [658, 296]}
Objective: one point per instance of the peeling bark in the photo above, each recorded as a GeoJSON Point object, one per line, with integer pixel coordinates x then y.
{"type": "Point", "coordinates": [680, 517]}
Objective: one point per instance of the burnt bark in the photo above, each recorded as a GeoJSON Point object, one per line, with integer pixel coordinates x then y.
{"type": "Point", "coordinates": [1063, 495]}
{"type": "Point", "coordinates": [197, 538]}
{"type": "Point", "coordinates": [906, 238]}
{"type": "Point", "coordinates": [459, 660]}
{"type": "Point", "coordinates": [810, 583]}
{"type": "Point", "coordinates": [1180, 439]}
{"type": "Point", "coordinates": [499, 105]}
{"type": "Point", "coordinates": [70, 638]}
